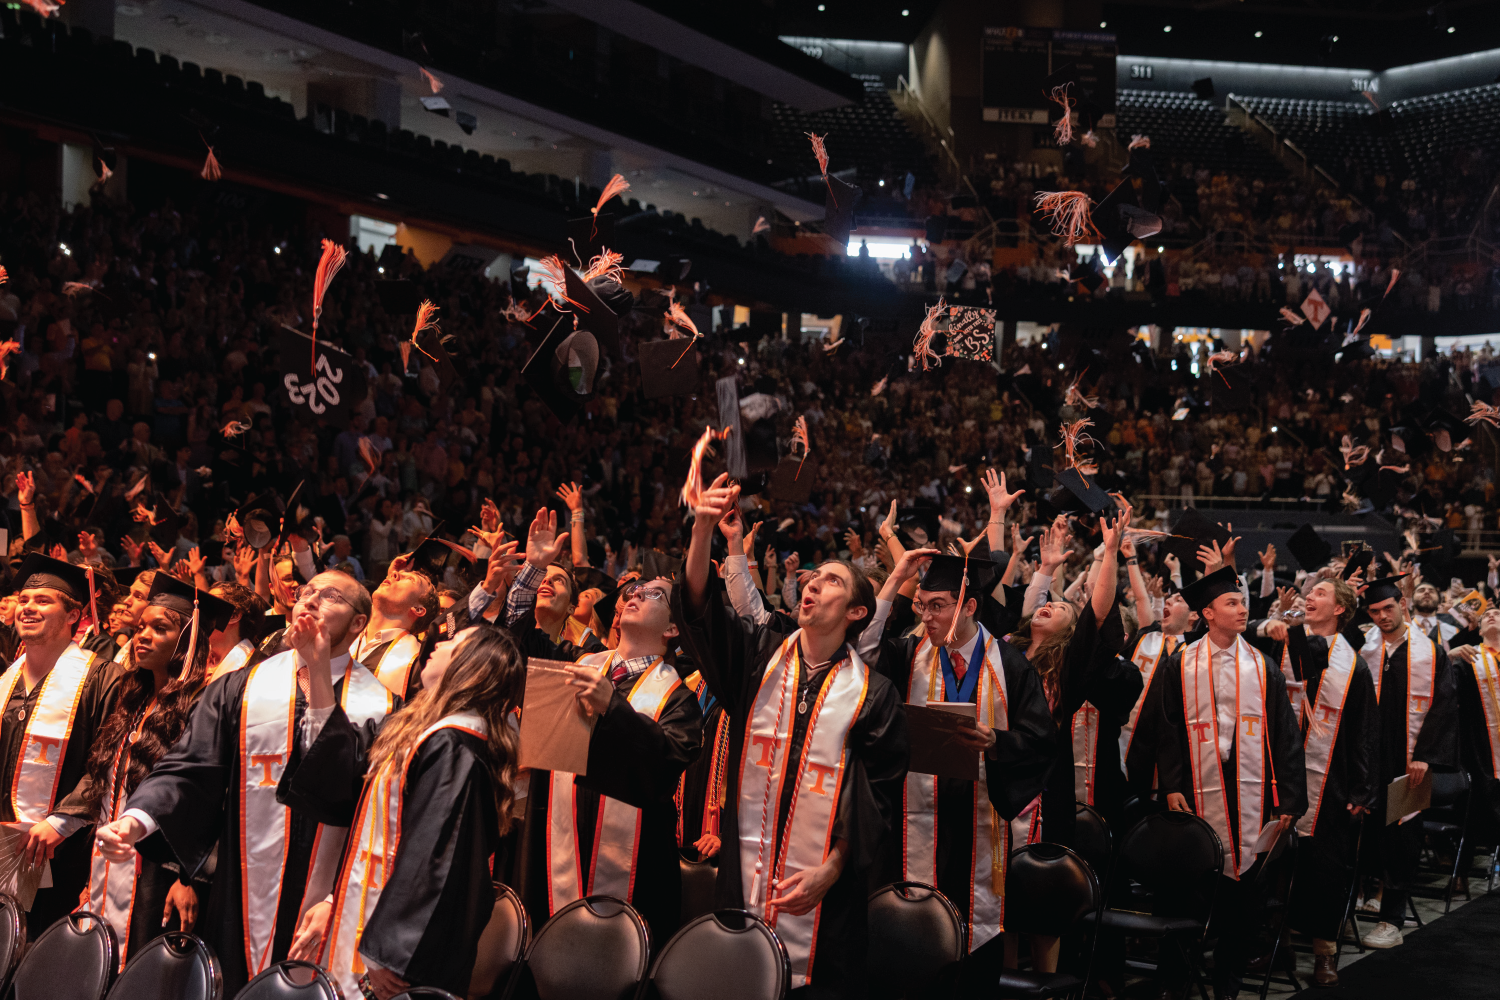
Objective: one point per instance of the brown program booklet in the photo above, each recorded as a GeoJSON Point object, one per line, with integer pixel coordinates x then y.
{"type": "Point", "coordinates": [935, 747]}
{"type": "Point", "coordinates": [554, 731]}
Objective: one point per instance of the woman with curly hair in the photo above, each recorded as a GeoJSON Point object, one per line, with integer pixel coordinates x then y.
{"type": "Point", "coordinates": [166, 668]}
{"type": "Point", "coordinates": [414, 892]}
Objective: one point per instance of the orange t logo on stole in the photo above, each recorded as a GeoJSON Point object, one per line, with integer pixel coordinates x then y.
{"type": "Point", "coordinates": [767, 746]}
{"type": "Point", "coordinates": [265, 760]}
{"type": "Point", "coordinates": [1250, 721]}
{"type": "Point", "coordinates": [44, 742]}
{"type": "Point", "coordinates": [1204, 731]}
{"type": "Point", "coordinates": [1329, 712]}
{"type": "Point", "coordinates": [822, 771]}
{"type": "Point", "coordinates": [1422, 701]}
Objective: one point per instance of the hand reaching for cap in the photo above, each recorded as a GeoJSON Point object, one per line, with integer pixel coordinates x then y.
{"type": "Point", "coordinates": [543, 541]}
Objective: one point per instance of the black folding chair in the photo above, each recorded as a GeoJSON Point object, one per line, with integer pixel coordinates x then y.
{"type": "Point", "coordinates": [501, 944]}
{"type": "Point", "coordinates": [727, 955]}
{"type": "Point", "coordinates": [291, 980]}
{"type": "Point", "coordinates": [917, 938]}
{"type": "Point", "coordinates": [1280, 859]}
{"type": "Point", "coordinates": [12, 938]}
{"type": "Point", "coordinates": [175, 966]}
{"type": "Point", "coordinates": [74, 959]}
{"type": "Point", "coordinates": [1447, 819]}
{"type": "Point", "coordinates": [1093, 841]}
{"type": "Point", "coordinates": [1176, 859]}
{"type": "Point", "coordinates": [1052, 892]}
{"type": "Point", "coordinates": [698, 878]}
{"type": "Point", "coordinates": [595, 948]}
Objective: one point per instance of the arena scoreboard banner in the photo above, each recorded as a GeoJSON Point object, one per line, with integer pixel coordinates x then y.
{"type": "Point", "coordinates": [1016, 61]}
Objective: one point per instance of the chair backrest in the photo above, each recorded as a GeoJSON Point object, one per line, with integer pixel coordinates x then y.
{"type": "Point", "coordinates": [175, 966]}
{"type": "Point", "coordinates": [1448, 786]}
{"type": "Point", "coordinates": [74, 959]}
{"type": "Point", "coordinates": [606, 930]}
{"type": "Point", "coordinates": [915, 932]}
{"type": "Point", "coordinates": [1092, 839]}
{"type": "Point", "coordinates": [1170, 848]}
{"type": "Point", "coordinates": [290, 980]}
{"type": "Point", "coordinates": [502, 942]}
{"type": "Point", "coordinates": [698, 878]}
{"type": "Point", "coordinates": [12, 937]}
{"type": "Point", "coordinates": [727, 955]}
{"type": "Point", "coordinates": [1048, 890]}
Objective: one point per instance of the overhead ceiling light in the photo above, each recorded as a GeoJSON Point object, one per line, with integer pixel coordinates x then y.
{"type": "Point", "coordinates": [1167, 28]}
{"type": "Point", "coordinates": [822, 7]}
{"type": "Point", "coordinates": [1103, 24]}
{"type": "Point", "coordinates": [1259, 33]}
{"type": "Point", "coordinates": [1451, 29]}
{"type": "Point", "coordinates": [905, 12]}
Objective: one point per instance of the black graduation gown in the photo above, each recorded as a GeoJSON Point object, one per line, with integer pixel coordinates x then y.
{"type": "Point", "coordinates": [1142, 761]}
{"type": "Point", "coordinates": [1024, 755]}
{"type": "Point", "coordinates": [70, 862]}
{"type": "Point", "coordinates": [1474, 748]}
{"type": "Point", "coordinates": [633, 759]}
{"type": "Point", "coordinates": [1113, 690]}
{"type": "Point", "coordinates": [190, 793]}
{"type": "Point", "coordinates": [732, 652]}
{"type": "Point", "coordinates": [1285, 739]}
{"type": "Point", "coordinates": [1437, 742]}
{"type": "Point", "coordinates": [1089, 652]}
{"type": "Point", "coordinates": [1351, 771]}
{"type": "Point", "coordinates": [438, 896]}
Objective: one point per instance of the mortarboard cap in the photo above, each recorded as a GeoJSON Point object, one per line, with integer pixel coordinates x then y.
{"type": "Point", "coordinates": [1198, 530]}
{"type": "Point", "coordinates": [1384, 589]}
{"type": "Point", "coordinates": [549, 377]}
{"type": "Point", "coordinates": [655, 563]}
{"type": "Point", "coordinates": [1082, 494]}
{"type": "Point", "coordinates": [792, 479]}
{"type": "Point", "coordinates": [917, 526]}
{"type": "Point", "coordinates": [1201, 593]}
{"type": "Point", "coordinates": [594, 315]}
{"type": "Point", "coordinates": [668, 368]}
{"type": "Point", "coordinates": [1129, 212]}
{"type": "Point", "coordinates": [838, 213]}
{"type": "Point", "coordinates": [43, 571]}
{"type": "Point", "coordinates": [52, 533]}
{"type": "Point", "coordinates": [173, 594]}
{"type": "Point", "coordinates": [1309, 548]}
{"type": "Point", "coordinates": [947, 572]}
{"type": "Point", "coordinates": [430, 344]}
{"type": "Point", "coordinates": [260, 519]}
{"type": "Point", "coordinates": [1086, 274]}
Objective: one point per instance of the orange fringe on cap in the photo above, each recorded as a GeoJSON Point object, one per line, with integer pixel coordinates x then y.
{"type": "Point", "coordinates": [675, 322]}
{"type": "Point", "coordinates": [4, 276]}
{"type": "Point", "coordinates": [1074, 435]}
{"type": "Point", "coordinates": [73, 289]}
{"type": "Point", "coordinates": [1395, 273]}
{"type": "Point", "coordinates": [922, 347]}
{"type": "Point", "coordinates": [1478, 412]}
{"type": "Point", "coordinates": [432, 81]}
{"type": "Point", "coordinates": [617, 185]}
{"type": "Point", "coordinates": [799, 436]}
{"type": "Point", "coordinates": [104, 173]}
{"type": "Point", "coordinates": [234, 428]}
{"type": "Point", "coordinates": [7, 348]}
{"type": "Point", "coordinates": [557, 273]}
{"type": "Point", "coordinates": [88, 486]}
{"type": "Point", "coordinates": [328, 265]}
{"type": "Point", "coordinates": [820, 150]}
{"type": "Point", "coordinates": [405, 347]}
{"type": "Point", "coordinates": [1089, 139]}
{"type": "Point", "coordinates": [963, 589]}
{"type": "Point", "coordinates": [211, 171]}
{"type": "Point", "coordinates": [761, 226]}
{"type": "Point", "coordinates": [1069, 213]}
{"type": "Point", "coordinates": [426, 320]}
{"type": "Point", "coordinates": [1364, 317]}
{"type": "Point", "coordinates": [46, 8]}
{"type": "Point", "coordinates": [606, 265]}
{"type": "Point", "coordinates": [1076, 397]}
{"type": "Point", "coordinates": [692, 487]}
{"type": "Point", "coordinates": [1139, 142]}
{"type": "Point", "coordinates": [1220, 358]}
{"type": "Point", "coordinates": [1371, 98]}
{"type": "Point", "coordinates": [1063, 130]}
{"type": "Point", "coordinates": [879, 386]}
{"type": "Point", "coordinates": [1291, 317]}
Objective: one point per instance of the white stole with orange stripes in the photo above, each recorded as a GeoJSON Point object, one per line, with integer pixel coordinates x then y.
{"type": "Point", "coordinates": [992, 835]}
{"type": "Point", "coordinates": [1200, 712]}
{"type": "Point", "coordinates": [112, 884]}
{"type": "Point", "coordinates": [233, 660]}
{"type": "Point", "coordinates": [45, 736]}
{"type": "Point", "coordinates": [367, 868]}
{"type": "Point", "coordinates": [1323, 726]}
{"type": "Point", "coordinates": [1486, 667]}
{"type": "Point", "coordinates": [395, 663]}
{"type": "Point", "coordinates": [617, 833]}
{"type": "Point", "coordinates": [268, 711]}
{"type": "Point", "coordinates": [1421, 675]}
{"type": "Point", "coordinates": [817, 780]}
{"type": "Point", "coordinates": [1147, 657]}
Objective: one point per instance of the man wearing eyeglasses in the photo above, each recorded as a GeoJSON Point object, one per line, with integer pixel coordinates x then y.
{"type": "Point", "coordinates": [613, 830]}
{"type": "Point", "coordinates": [221, 783]}
{"type": "Point", "coordinates": [949, 834]}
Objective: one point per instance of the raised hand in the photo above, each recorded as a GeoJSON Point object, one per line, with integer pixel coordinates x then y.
{"type": "Point", "coordinates": [25, 488]}
{"type": "Point", "coordinates": [88, 546]}
{"type": "Point", "coordinates": [1228, 551]}
{"type": "Point", "coordinates": [1286, 598]}
{"type": "Point", "coordinates": [1268, 558]}
{"type": "Point", "coordinates": [570, 494]}
{"type": "Point", "coordinates": [132, 549]}
{"type": "Point", "coordinates": [1000, 499]}
{"type": "Point", "coordinates": [543, 541]}
{"type": "Point", "coordinates": [1054, 548]}
{"type": "Point", "coordinates": [750, 539]}
{"type": "Point", "coordinates": [195, 561]}
{"type": "Point", "coordinates": [489, 515]}
{"type": "Point", "coordinates": [910, 563]}
{"type": "Point", "coordinates": [1154, 586]}
{"type": "Point", "coordinates": [888, 526]}
{"type": "Point", "coordinates": [1211, 557]}
{"type": "Point", "coordinates": [853, 543]}
{"type": "Point", "coordinates": [162, 557]}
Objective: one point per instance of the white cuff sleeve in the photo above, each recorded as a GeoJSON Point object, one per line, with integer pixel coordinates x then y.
{"type": "Point", "coordinates": [1039, 585]}
{"type": "Point", "coordinates": [742, 596]}
{"type": "Point", "coordinates": [140, 817]}
{"type": "Point", "coordinates": [1267, 583]}
{"type": "Point", "coordinates": [869, 639]}
{"type": "Point", "coordinates": [313, 721]}
{"type": "Point", "coordinates": [66, 826]}
{"type": "Point", "coordinates": [304, 560]}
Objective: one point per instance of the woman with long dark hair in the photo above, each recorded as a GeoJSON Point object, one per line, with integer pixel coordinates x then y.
{"type": "Point", "coordinates": [414, 890]}
{"type": "Point", "coordinates": [166, 668]}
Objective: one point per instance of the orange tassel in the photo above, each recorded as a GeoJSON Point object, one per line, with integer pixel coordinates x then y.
{"type": "Point", "coordinates": [761, 226]}
{"type": "Point", "coordinates": [606, 265]}
{"type": "Point", "coordinates": [405, 347]}
{"type": "Point", "coordinates": [820, 150]}
{"type": "Point", "coordinates": [556, 272]}
{"type": "Point", "coordinates": [799, 436]}
{"type": "Point", "coordinates": [426, 320]}
{"type": "Point", "coordinates": [73, 289]}
{"type": "Point", "coordinates": [1070, 218]}
{"type": "Point", "coordinates": [1371, 98]}
{"type": "Point", "coordinates": [211, 171]}
{"type": "Point", "coordinates": [4, 276]}
{"type": "Point", "coordinates": [46, 8]}
{"type": "Point", "coordinates": [1395, 273]}
{"type": "Point", "coordinates": [1291, 317]}
{"type": "Point", "coordinates": [7, 348]}
{"type": "Point", "coordinates": [328, 265]}
{"type": "Point", "coordinates": [692, 487]}
{"type": "Point", "coordinates": [674, 323]}
{"type": "Point", "coordinates": [1063, 130]}
{"type": "Point", "coordinates": [922, 347]}
{"type": "Point", "coordinates": [432, 81]}
{"type": "Point", "coordinates": [1478, 412]}
{"type": "Point", "coordinates": [617, 185]}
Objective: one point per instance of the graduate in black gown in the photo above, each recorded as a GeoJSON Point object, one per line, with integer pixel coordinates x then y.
{"type": "Point", "coordinates": [445, 765]}
{"type": "Point", "coordinates": [946, 661]}
{"type": "Point", "coordinates": [1477, 669]}
{"type": "Point", "coordinates": [1241, 718]}
{"type": "Point", "coordinates": [165, 673]}
{"type": "Point", "coordinates": [192, 800]}
{"type": "Point", "coordinates": [1418, 734]}
{"type": "Point", "coordinates": [650, 727]}
{"type": "Point", "coordinates": [817, 670]}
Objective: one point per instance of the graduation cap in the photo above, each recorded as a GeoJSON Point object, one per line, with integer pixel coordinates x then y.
{"type": "Point", "coordinates": [838, 212]}
{"type": "Point", "coordinates": [668, 368]}
{"type": "Point", "coordinates": [1310, 549]}
{"type": "Point", "coordinates": [1442, 425]}
{"type": "Point", "coordinates": [604, 607]}
{"type": "Point", "coordinates": [1129, 212]}
{"type": "Point", "coordinates": [430, 343]}
{"type": "Point", "coordinates": [792, 479]}
{"type": "Point", "coordinates": [260, 518]}
{"type": "Point", "coordinates": [549, 376]}
{"type": "Point", "coordinates": [173, 594]}
{"type": "Point", "coordinates": [655, 563]}
{"type": "Point", "coordinates": [1443, 547]}
{"type": "Point", "coordinates": [399, 297]}
{"type": "Point", "coordinates": [1202, 592]}
{"type": "Point", "coordinates": [917, 526]}
{"type": "Point", "coordinates": [947, 573]}
{"type": "Point", "coordinates": [435, 555]}
{"type": "Point", "coordinates": [593, 315]}
{"type": "Point", "coordinates": [1086, 274]}
{"type": "Point", "coordinates": [43, 571]}
{"type": "Point", "coordinates": [1198, 530]}
{"type": "Point", "coordinates": [591, 578]}
{"type": "Point", "coordinates": [125, 575]}
{"type": "Point", "coordinates": [1076, 494]}
{"type": "Point", "coordinates": [1230, 388]}
{"type": "Point", "coordinates": [1383, 589]}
